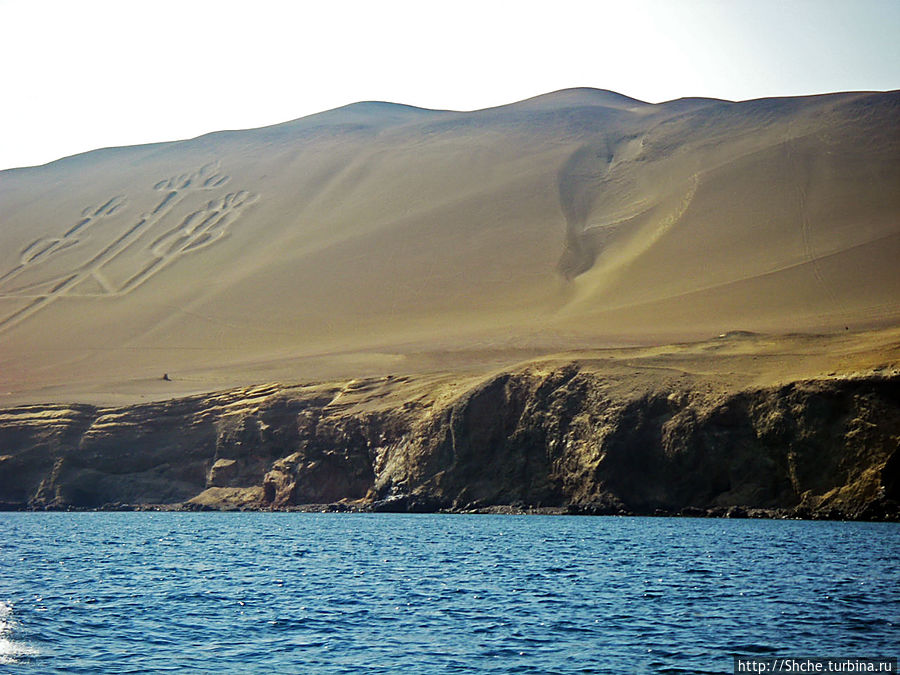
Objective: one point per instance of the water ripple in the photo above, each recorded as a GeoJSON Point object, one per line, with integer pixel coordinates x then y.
{"type": "Point", "coordinates": [345, 593]}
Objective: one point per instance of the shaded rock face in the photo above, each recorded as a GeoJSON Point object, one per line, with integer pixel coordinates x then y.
{"type": "Point", "coordinates": [558, 440]}
{"type": "Point", "coordinates": [333, 462]}
{"type": "Point", "coordinates": [31, 440]}
{"type": "Point", "coordinates": [486, 448]}
{"type": "Point", "coordinates": [526, 439]}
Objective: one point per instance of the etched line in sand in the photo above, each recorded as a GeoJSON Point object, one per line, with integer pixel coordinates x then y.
{"type": "Point", "coordinates": [43, 248]}
{"type": "Point", "coordinates": [197, 230]}
{"type": "Point", "coordinates": [103, 281]}
{"type": "Point", "coordinates": [809, 253]}
{"type": "Point", "coordinates": [207, 177]}
{"type": "Point", "coordinates": [200, 228]}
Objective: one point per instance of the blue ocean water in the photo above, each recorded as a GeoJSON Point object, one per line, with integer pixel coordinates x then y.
{"type": "Point", "coordinates": [388, 593]}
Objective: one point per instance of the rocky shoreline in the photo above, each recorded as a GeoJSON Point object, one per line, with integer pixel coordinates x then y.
{"type": "Point", "coordinates": [545, 440]}
{"type": "Point", "coordinates": [886, 511]}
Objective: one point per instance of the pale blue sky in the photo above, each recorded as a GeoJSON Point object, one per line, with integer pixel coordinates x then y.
{"type": "Point", "coordinates": [83, 74]}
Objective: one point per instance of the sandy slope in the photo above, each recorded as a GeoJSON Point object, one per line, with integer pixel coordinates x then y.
{"type": "Point", "coordinates": [382, 238]}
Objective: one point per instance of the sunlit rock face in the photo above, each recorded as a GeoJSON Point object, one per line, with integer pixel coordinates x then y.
{"type": "Point", "coordinates": [557, 438]}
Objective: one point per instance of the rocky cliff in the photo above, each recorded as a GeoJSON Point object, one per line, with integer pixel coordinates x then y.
{"type": "Point", "coordinates": [562, 436]}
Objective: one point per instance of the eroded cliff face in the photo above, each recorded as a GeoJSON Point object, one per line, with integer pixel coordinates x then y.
{"type": "Point", "coordinates": [537, 437]}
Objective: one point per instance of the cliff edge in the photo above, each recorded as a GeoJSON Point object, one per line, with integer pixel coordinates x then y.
{"type": "Point", "coordinates": [565, 435]}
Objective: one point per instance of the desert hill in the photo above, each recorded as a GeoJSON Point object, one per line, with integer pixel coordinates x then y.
{"type": "Point", "coordinates": [379, 238]}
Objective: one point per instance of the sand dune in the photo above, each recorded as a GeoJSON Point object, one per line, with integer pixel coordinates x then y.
{"type": "Point", "coordinates": [361, 238]}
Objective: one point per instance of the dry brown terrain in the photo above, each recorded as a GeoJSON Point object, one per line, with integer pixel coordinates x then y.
{"type": "Point", "coordinates": [580, 302]}
{"type": "Point", "coordinates": [382, 239]}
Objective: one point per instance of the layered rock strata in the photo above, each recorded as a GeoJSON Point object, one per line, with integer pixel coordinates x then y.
{"type": "Point", "coordinates": [560, 437]}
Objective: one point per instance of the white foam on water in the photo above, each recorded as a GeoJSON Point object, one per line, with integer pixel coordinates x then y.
{"type": "Point", "coordinates": [11, 651]}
